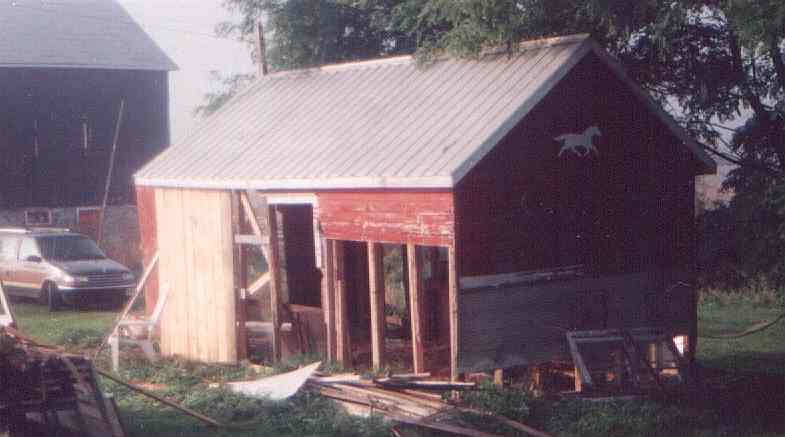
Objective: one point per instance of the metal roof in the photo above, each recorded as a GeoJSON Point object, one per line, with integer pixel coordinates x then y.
{"type": "Point", "coordinates": [75, 34]}
{"type": "Point", "coordinates": [378, 124]}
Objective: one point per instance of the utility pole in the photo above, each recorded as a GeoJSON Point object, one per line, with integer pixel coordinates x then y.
{"type": "Point", "coordinates": [261, 49]}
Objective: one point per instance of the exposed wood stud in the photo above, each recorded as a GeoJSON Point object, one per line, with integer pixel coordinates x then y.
{"type": "Point", "coordinates": [376, 282]}
{"type": "Point", "coordinates": [240, 280]}
{"type": "Point", "coordinates": [452, 266]}
{"type": "Point", "coordinates": [275, 282]}
{"type": "Point", "coordinates": [328, 298]}
{"type": "Point", "coordinates": [415, 304]}
{"type": "Point", "coordinates": [342, 339]}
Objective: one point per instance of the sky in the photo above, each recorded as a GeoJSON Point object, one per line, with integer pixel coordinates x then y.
{"type": "Point", "coordinates": [182, 28]}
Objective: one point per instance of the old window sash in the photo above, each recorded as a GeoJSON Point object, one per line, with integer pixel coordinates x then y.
{"type": "Point", "coordinates": [629, 341]}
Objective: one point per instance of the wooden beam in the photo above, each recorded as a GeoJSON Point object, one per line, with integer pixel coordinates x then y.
{"type": "Point", "coordinates": [328, 298]}
{"type": "Point", "coordinates": [376, 282]}
{"type": "Point", "coordinates": [240, 272]}
{"type": "Point", "coordinates": [342, 339]}
{"type": "Point", "coordinates": [454, 295]}
{"type": "Point", "coordinates": [275, 283]}
{"type": "Point", "coordinates": [415, 307]}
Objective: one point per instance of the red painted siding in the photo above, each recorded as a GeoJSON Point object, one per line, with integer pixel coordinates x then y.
{"type": "Point", "coordinates": [145, 204]}
{"type": "Point", "coordinates": [424, 218]}
{"type": "Point", "coordinates": [626, 209]}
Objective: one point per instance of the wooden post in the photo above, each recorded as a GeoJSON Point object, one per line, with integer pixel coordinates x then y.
{"type": "Point", "coordinates": [240, 280]}
{"type": "Point", "coordinates": [275, 283]}
{"type": "Point", "coordinates": [452, 265]}
{"type": "Point", "coordinates": [342, 346]}
{"type": "Point", "coordinates": [498, 377]}
{"type": "Point", "coordinates": [415, 304]}
{"type": "Point", "coordinates": [376, 281]}
{"type": "Point", "coordinates": [328, 298]}
{"type": "Point", "coordinates": [110, 172]}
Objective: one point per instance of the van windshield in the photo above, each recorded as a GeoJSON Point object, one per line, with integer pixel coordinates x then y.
{"type": "Point", "coordinates": [69, 248]}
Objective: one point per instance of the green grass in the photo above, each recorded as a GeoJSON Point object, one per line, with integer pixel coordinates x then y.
{"type": "Point", "coordinates": [73, 329]}
{"type": "Point", "coordinates": [760, 352]}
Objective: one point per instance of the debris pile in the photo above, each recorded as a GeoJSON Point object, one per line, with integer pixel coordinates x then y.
{"type": "Point", "coordinates": [45, 391]}
{"type": "Point", "coordinates": [411, 400]}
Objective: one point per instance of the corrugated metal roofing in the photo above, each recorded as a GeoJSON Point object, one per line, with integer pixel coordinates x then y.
{"type": "Point", "coordinates": [75, 34]}
{"type": "Point", "coordinates": [367, 125]}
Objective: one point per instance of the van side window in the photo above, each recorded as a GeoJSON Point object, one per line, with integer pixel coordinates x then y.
{"type": "Point", "coordinates": [28, 248]}
{"type": "Point", "coordinates": [8, 248]}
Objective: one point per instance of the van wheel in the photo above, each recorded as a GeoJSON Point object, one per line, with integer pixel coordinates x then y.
{"type": "Point", "coordinates": [52, 295]}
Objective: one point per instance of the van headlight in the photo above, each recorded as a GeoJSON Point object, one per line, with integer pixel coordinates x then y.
{"type": "Point", "coordinates": [128, 276]}
{"type": "Point", "coordinates": [74, 279]}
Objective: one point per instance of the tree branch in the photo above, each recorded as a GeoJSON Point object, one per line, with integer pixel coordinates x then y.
{"type": "Point", "coordinates": [742, 163]}
{"type": "Point", "coordinates": [779, 64]}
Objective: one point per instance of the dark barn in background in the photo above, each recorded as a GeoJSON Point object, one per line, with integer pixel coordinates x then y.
{"type": "Point", "coordinates": [542, 204]}
{"type": "Point", "coordinates": [65, 68]}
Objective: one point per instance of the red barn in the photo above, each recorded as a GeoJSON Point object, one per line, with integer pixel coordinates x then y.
{"type": "Point", "coordinates": [518, 196]}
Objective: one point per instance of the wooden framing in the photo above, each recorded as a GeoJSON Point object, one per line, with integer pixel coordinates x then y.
{"type": "Point", "coordinates": [275, 275]}
{"type": "Point", "coordinates": [342, 339]}
{"type": "Point", "coordinates": [240, 276]}
{"type": "Point", "coordinates": [454, 296]}
{"type": "Point", "coordinates": [328, 298]}
{"type": "Point", "coordinates": [415, 306]}
{"type": "Point", "coordinates": [259, 213]}
{"type": "Point", "coordinates": [376, 281]}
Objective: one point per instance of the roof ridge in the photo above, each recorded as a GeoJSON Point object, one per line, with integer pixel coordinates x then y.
{"type": "Point", "coordinates": [406, 59]}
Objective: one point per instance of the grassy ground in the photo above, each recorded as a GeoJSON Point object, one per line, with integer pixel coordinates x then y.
{"type": "Point", "coordinates": [763, 352]}
{"type": "Point", "coordinates": [73, 329]}
{"type": "Point", "coordinates": [744, 392]}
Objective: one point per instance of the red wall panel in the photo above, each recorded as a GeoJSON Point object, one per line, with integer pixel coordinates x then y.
{"type": "Point", "coordinates": [424, 218]}
{"type": "Point", "coordinates": [145, 204]}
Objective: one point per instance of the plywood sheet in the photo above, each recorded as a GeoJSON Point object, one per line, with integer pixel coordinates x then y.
{"type": "Point", "coordinates": [194, 235]}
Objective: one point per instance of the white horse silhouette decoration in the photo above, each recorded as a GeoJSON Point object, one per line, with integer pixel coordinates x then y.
{"type": "Point", "coordinates": [580, 144]}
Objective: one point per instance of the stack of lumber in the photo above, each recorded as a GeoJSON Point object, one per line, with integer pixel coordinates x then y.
{"type": "Point", "coordinates": [408, 400]}
{"type": "Point", "coordinates": [45, 391]}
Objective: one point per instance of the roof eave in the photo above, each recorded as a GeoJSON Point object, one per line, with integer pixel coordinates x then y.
{"type": "Point", "coordinates": [347, 183]}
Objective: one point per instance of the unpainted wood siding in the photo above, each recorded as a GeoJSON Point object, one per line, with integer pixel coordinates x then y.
{"type": "Point", "coordinates": [627, 208]}
{"type": "Point", "coordinates": [145, 206]}
{"type": "Point", "coordinates": [522, 324]}
{"type": "Point", "coordinates": [195, 241]}
{"type": "Point", "coordinates": [423, 218]}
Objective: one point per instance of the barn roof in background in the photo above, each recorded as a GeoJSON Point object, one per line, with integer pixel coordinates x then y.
{"type": "Point", "coordinates": [75, 34]}
{"type": "Point", "coordinates": [375, 124]}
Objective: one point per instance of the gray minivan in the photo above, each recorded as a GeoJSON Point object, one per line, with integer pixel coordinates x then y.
{"type": "Point", "coordinates": [57, 266]}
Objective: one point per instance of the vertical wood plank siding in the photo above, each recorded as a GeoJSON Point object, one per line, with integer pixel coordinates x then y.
{"type": "Point", "coordinates": [194, 232]}
{"type": "Point", "coordinates": [424, 218]}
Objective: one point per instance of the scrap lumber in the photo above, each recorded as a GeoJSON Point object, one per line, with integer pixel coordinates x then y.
{"type": "Point", "coordinates": [423, 385]}
{"type": "Point", "coordinates": [45, 387]}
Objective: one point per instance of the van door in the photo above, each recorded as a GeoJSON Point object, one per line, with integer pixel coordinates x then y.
{"type": "Point", "coordinates": [31, 270]}
{"type": "Point", "coordinates": [9, 248]}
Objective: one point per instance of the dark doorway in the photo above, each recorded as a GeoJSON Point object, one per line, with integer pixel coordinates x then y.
{"type": "Point", "coordinates": [303, 278]}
